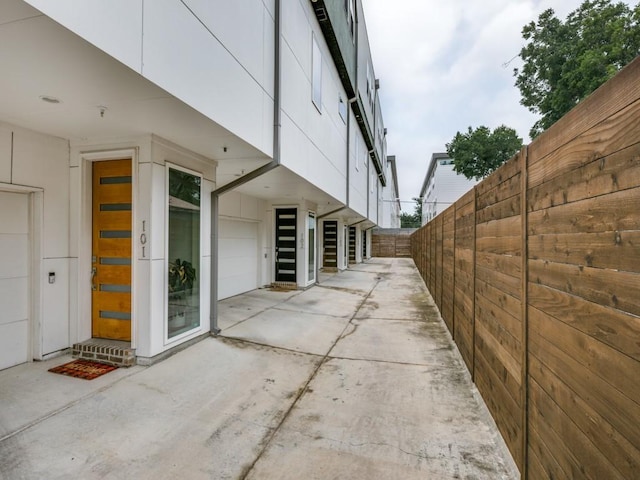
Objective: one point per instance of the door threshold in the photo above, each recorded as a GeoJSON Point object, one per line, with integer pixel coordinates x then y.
{"type": "Point", "coordinates": [111, 352]}
{"type": "Point", "coordinates": [285, 286]}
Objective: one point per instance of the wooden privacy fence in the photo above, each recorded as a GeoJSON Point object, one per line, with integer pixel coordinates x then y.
{"type": "Point", "coordinates": [391, 242]}
{"type": "Point", "coordinates": [536, 273]}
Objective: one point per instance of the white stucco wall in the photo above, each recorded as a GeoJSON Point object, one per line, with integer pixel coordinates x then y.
{"type": "Point", "coordinates": [313, 141]}
{"type": "Point", "coordinates": [445, 187]}
{"type": "Point", "coordinates": [216, 56]}
{"type": "Point", "coordinates": [358, 169]}
{"type": "Point", "coordinates": [373, 192]}
{"type": "Point", "coordinates": [37, 165]}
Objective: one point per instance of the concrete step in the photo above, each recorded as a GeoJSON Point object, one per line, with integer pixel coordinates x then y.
{"type": "Point", "coordinates": [284, 286]}
{"type": "Point", "coordinates": [111, 352]}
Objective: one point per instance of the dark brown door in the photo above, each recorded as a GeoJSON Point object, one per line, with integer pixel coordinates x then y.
{"type": "Point", "coordinates": [330, 243]}
{"type": "Point", "coordinates": [352, 244]}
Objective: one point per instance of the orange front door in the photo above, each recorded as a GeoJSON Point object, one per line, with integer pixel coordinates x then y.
{"type": "Point", "coordinates": [111, 256]}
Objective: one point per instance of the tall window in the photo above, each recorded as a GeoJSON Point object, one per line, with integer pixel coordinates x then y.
{"type": "Point", "coordinates": [342, 108]}
{"type": "Point", "coordinates": [183, 253]}
{"type": "Point", "coordinates": [349, 10]}
{"type": "Point", "coordinates": [316, 74]}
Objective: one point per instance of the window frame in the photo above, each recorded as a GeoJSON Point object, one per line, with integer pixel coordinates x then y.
{"type": "Point", "coordinates": [316, 73]}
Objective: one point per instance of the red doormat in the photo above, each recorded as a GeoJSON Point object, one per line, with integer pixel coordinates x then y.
{"type": "Point", "coordinates": [83, 369]}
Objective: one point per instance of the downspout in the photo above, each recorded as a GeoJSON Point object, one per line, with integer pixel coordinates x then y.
{"type": "Point", "coordinates": [368, 185]}
{"type": "Point", "coordinates": [350, 101]}
{"type": "Point", "coordinates": [356, 33]}
{"type": "Point", "coordinates": [348, 152]}
{"type": "Point", "coordinates": [275, 162]}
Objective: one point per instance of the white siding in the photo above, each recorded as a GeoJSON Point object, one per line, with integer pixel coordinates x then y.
{"type": "Point", "coordinates": [5, 154]}
{"type": "Point", "coordinates": [114, 26]}
{"type": "Point", "coordinates": [216, 56]}
{"type": "Point", "coordinates": [313, 142]}
{"type": "Point", "coordinates": [445, 187]}
{"type": "Point", "coordinates": [14, 279]}
{"type": "Point", "coordinates": [358, 169]}
{"type": "Point", "coordinates": [42, 161]}
{"type": "Point", "coordinates": [182, 56]}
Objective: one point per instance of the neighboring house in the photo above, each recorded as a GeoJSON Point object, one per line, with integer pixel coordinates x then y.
{"type": "Point", "coordinates": [156, 156]}
{"type": "Point", "coordinates": [442, 186]}
{"type": "Point", "coordinates": [390, 200]}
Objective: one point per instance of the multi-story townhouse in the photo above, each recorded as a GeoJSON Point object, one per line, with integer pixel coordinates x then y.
{"type": "Point", "coordinates": [390, 204]}
{"type": "Point", "coordinates": [159, 155]}
{"type": "Point", "coordinates": [442, 186]}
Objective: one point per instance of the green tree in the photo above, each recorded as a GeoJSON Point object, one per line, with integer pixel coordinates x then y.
{"type": "Point", "coordinates": [479, 152]}
{"type": "Point", "coordinates": [412, 220]}
{"type": "Point", "coordinates": [563, 62]}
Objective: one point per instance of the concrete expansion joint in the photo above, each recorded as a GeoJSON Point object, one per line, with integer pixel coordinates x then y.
{"type": "Point", "coordinates": [259, 311]}
{"type": "Point", "coordinates": [325, 358]}
{"type": "Point", "coordinates": [53, 413]}
{"type": "Point", "coordinates": [242, 341]}
{"type": "Point", "coordinates": [319, 314]}
{"type": "Point", "coordinates": [391, 362]}
{"type": "Point", "coordinates": [342, 289]}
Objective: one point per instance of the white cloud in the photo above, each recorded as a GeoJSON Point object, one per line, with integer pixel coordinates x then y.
{"type": "Point", "coordinates": [441, 70]}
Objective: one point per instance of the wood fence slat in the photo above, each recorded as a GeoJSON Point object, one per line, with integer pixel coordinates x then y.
{"type": "Point", "coordinates": [493, 361]}
{"type": "Point", "coordinates": [609, 288]}
{"type": "Point", "coordinates": [611, 135]}
{"type": "Point", "coordinates": [611, 327]}
{"type": "Point", "coordinates": [624, 456]}
{"type": "Point", "coordinates": [615, 250]}
{"type": "Point", "coordinates": [613, 173]}
{"type": "Point", "coordinates": [501, 192]}
{"type": "Point", "coordinates": [507, 283]}
{"type": "Point", "coordinates": [613, 96]}
{"type": "Point", "coordinates": [506, 171]}
{"type": "Point", "coordinates": [504, 345]}
{"type": "Point", "coordinates": [506, 208]}
{"type": "Point", "coordinates": [502, 407]}
{"type": "Point", "coordinates": [509, 226]}
{"type": "Point", "coordinates": [613, 354]}
{"type": "Point", "coordinates": [546, 354]}
{"type": "Point", "coordinates": [571, 448]}
{"type": "Point", "coordinates": [535, 468]}
{"type": "Point", "coordinates": [507, 264]}
{"type": "Point", "coordinates": [606, 213]}
{"type": "Point", "coordinates": [500, 245]}
{"type": "Point", "coordinates": [506, 302]}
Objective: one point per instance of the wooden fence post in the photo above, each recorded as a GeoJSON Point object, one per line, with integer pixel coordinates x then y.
{"type": "Point", "coordinates": [473, 303]}
{"type": "Point", "coordinates": [524, 156]}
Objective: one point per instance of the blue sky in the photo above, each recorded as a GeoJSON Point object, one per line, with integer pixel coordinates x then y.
{"type": "Point", "coordinates": [445, 66]}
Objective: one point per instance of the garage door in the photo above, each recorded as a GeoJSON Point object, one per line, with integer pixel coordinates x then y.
{"type": "Point", "coordinates": [14, 279]}
{"type": "Point", "coordinates": [238, 259]}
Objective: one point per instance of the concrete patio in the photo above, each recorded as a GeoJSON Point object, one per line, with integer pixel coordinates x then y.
{"type": "Point", "coordinates": [356, 378]}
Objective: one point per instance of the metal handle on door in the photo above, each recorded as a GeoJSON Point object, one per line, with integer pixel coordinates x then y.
{"type": "Point", "coordinates": [94, 271]}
